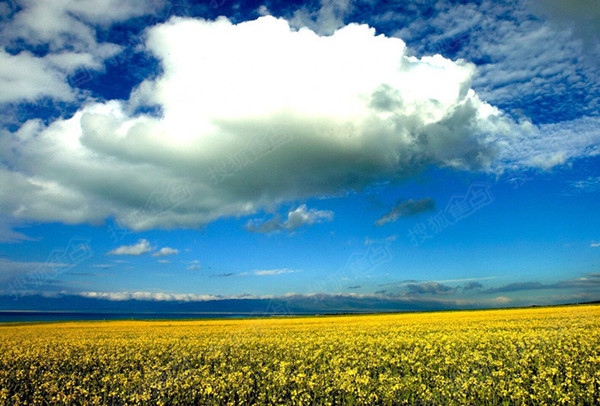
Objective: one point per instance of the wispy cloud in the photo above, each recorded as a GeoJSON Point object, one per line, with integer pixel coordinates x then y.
{"type": "Point", "coordinates": [406, 208]}
{"type": "Point", "coordinates": [140, 248]}
{"type": "Point", "coordinates": [482, 278]}
{"type": "Point", "coordinates": [8, 235]}
{"type": "Point", "coordinates": [297, 218]}
{"type": "Point", "coordinates": [10, 268]}
{"type": "Point", "coordinates": [595, 244]}
{"type": "Point", "coordinates": [102, 266]}
{"type": "Point", "coordinates": [194, 265]}
{"type": "Point", "coordinates": [518, 286]}
{"type": "Point", "coordinates": [270, 272]}
{"type": "Point", "coordinates": [259, 272]}
{"type": "Point", "coordinates": [589, 185]}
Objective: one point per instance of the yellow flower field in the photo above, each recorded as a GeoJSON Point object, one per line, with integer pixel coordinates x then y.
{"type": "Point", "coordinates": [531, 356]}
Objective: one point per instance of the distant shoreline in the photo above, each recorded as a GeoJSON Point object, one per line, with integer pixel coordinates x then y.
{"type": "Point", "coordinates": [49, 316]}
{"type": "Point", "coordinates": [34, 316]}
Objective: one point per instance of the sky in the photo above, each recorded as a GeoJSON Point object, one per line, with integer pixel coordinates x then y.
{"type": "Point", "coordinates": [435, 153]}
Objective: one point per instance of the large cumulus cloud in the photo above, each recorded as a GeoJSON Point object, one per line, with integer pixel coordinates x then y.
{"type": "Point", "coordinates": [251, 115]}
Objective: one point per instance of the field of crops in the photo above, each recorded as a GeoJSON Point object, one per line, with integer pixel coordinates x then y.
{"type": "Point", "coordinates": [526, 357]}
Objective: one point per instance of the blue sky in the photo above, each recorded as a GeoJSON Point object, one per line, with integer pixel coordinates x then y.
{"type": "Point", "coordinates": [432, 152]}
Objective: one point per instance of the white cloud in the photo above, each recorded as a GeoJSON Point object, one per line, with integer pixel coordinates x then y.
{"type": "Point", "coordinates": [68, 29]}
{"type": "Point", "coordinates": [24, 77]}
{"type": "Point", "coordinates": [594, 244]}
{"type": "Point", "coordinates": [501, 300]}
{"type": "Point", "coordinates": [271, 272]}
{"type": "Point", "coordinates": [140, 248]}
{"type": "Point", "coordinates": [296, 218]}
{"type": "Point", "coordinates": [68, 23]}
{"type": "Point", "coordinates": [165, 251]}
{"type": "Point", "coordinates": [246, 128]}
{"type": "Point", "coordinates": [261, 272]}
{"type": "Point", "coordinates": [144, 295]}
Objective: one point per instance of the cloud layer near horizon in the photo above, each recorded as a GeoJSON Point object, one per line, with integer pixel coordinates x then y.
{"type": "Point", "coordinates": [253, 115]}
